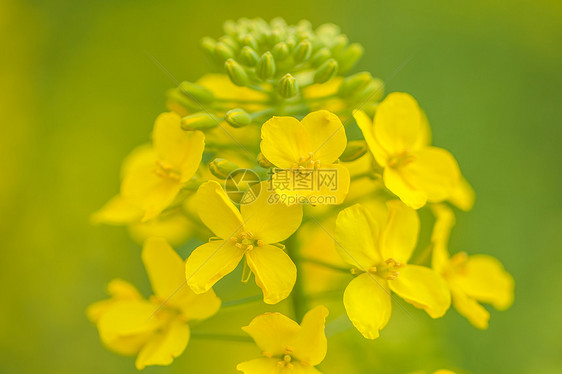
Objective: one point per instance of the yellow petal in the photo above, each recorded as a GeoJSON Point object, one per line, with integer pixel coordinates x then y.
{"type": "Point", "coordinates": [175, 227]}
{"type": "Point", "coordinates": [444, 222]}
{"type": "Point", "coordinates": [311, 344]}
{"type": "Point", "coordinates": [366, 126]}
{"type": "Point", "coordinates": [356, 235]}
{"type": "Point", "coordinates": [217, 212]}
{"type": "Point", "coordinates": [164, 346]}
{"type": "Point", "coordinates": [400, 235]}
{"type": "Point", "coordinates": [166, 271]}
{"type": "Point", "coordinates": [209, 262]}
{"type": "Point", "coordinates": [117, 211]}
{"type": "Point", "coordinates": [260, 366]}
{"type": "Point", "coordinates": [463, 195]}
{"type": "Point", "coordinates": [153, 193]}
{"type": "Point", "coordinates": [273, 332]}
{"type": "Point", "coordinates": [269, 219]}
{"type": "Point", "coordinates": [367, 303]}
{"type": "Point", "coordinates": [409, 195]}
{"type": "Point", "coordinates": [423, 288]}
{"type": "Point", "coordinates": [284, 141]}
{"type": "Point", "coordinates": [433, 171]}
{"type": "Point", "coordinates": [119, 290]}
{"type": "Point", "coordinates": [485, 279]}
{"type": "Point", "coordinates": [329, 193]}
{"type": "Point", "coordinates": [182, 149]}
{"type": "Point", "coordinates": [398, 123]}
{"type": "Point", "coordinates": [274, 271]}
{"type": "Point", "coordinates": [469, 308]}
{"type": "Point", "coordinates": [326, 135]}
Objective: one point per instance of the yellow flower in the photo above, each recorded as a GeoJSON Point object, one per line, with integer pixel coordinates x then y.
{"type": "Point", "coordinates": [250, 233]}
{"type": "Point", "coordinates": [379, 256]}
{"type": "Point", "coordinates": [153, 178]}
{"type": "Point", "coordinates": [156, 330]}
{"type": "Point", "coordinates": [399, 138]}
{"type": "Point", "coordinates": [306, 153]}
{"type": "Point", "coordinates": [472, 279]}
{"type": "Point", "coordinates": [286, 346]}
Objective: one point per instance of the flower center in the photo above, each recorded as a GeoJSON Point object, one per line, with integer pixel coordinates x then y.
{"type": "Point", "coordinates": [387, 269]}
{"type": "Point", "coordinates": [307, 162]}
{"type": "Point", "coordinates": [401, 159]}
{"type": "Point", "coordinates": [456, 264]}
{"type": "Point", "coordinates": [246, 241]}
{"type": "Point", "coordinates": [166, 170]}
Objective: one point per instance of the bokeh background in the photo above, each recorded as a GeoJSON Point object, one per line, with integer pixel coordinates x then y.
{"type": "Point", "coordinates": [78, 91]}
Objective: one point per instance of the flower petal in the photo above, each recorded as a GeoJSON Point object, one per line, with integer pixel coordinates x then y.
{"type": "Point", "coordinates": [366, 126]}
{"type": "Point", "coordinates": [356, 234]}
{"type": "Point", "coordinates": [444, 222]}
{"type": "Point", "coordinates": [433, 171]}
{"type": "Point", "coordinates": [274, 271]}
{"type": "Point", "coordinates": [166, 271]}
{"type": "Point", "coordinates": [423, 288]}
{"type": "Point", "coordinates": [326, 135]}
{"type": "Point", "coordinates": [209, 262]}
{"type": "Point", "coordinates": [398, 123]}
{"type": "Point", "coordinates": [463, 195]}
{"type": "Point", "coordinates": [400, 235]}
{"type": "Point", "coordinates": [311, 344]}
{"type": "Point", "coordinates": [217, 212]}
{"type": "Point", "coordinates": [164, 346]}
{"type": "Point", "coordinates": [367, 302]}
{"type": "Point", "coordinates": [476, 314]}
{"type": "Point", "coordinates": [260, 366]}
{"type": "Point", "coordinates": [273, 332]}
{"type": "Point", "coordinates": [284, 141]}
{"type": "Point", "coordinates": [485, 279]}
{"type": "Point", "coordinates": [117, 211]}
{"type": "Point", "coordinates": [182, 149]}
{"type": "Point", "coordinates": [409, 195]}
{"type": "Point", "coordinates": [269, 219]}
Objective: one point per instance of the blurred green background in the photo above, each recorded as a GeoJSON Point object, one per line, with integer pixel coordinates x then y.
{"type": "Point", "coordinates": [78, 92]}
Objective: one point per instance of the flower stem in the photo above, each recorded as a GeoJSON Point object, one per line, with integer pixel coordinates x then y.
{"type": "Point", "coordinates": [298, 297]}
{"type": "Point", "coordinates": [325, 264]}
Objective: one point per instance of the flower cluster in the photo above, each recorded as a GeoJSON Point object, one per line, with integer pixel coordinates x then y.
{"type": "Point", "coordinates": [284, 164]}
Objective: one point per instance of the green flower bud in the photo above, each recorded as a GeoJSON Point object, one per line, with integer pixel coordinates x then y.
{"type": "Point", "coordinates": [278, 22]}
{"type": "Point", "coordinates": [350, 56]}
{"type": "Point", "coordinates": [263, 162]}
{"type": "Point", "coordinates": [223, 52]}
{"type": "Point", "coordinates": [302, 52]}
{"type": "Point", "coordinates": [208, 45]}
{"type": "Point", "coordinates": [288, 86]}
{"type": "Point", "coordinates": [199, 121]}
{"type": "Point", "coordinates": [250, 41]}
{"type": "Point", "coordinates": [230, 27]}
{"type": "Point", "coordinates": [281, 51]}
{"type": "Point", "coordinates": [320, 57]}
{"type": "Point", "coordinates": [222, 168]}
{"type": "Point", "coordinates": [373, 91]}
{"type": "Point", "coordinates": [326, 72]}
{"type": "Point", "coordinates": [236, 72]}
{"type": "Point", "coordinates": [354, 150]}
{"type": "Point", "coordinates": [266, 66]}
{"type": "Point", "coordinates": [238, 118]}
{"type": "Point", "coordinates": [174, 98]}
{"type": "Point", "coordinates": [248, 56]}
{"type": "Point", "coordinates": [196, 92]}
{"type": "Point", "coordinates": [229, 41]}
{"type": "Point", "coordinates": [339, 44]}
{"type": "Point", "coordinates": [354, 84]}
{"type": "Point", "coordinates": [275, 37]}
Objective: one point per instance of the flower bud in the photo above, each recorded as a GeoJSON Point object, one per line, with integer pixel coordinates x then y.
{"type": "Point", "coordinates": [354, 150]}
{"type": "Point", "coordinates": [350, 56]}
{"type": "Point", "coordinates": [230, 27]}
{"type": "Point", "coordinates": [263, 162]}
{"type": "Point", "coordinates": [320, 57]}
{"type": "Point", "coordinates": [199, 121]}
{"type": "Point", "coordinates": [229, 41]}
{"type": "Point", "coordinates": [339, 45]}
{"type": "Point", "coordinates": [248, 56]}
{"type": "Point", "coordinates": [326, 71]}
{"type": "Point", "coordinates": [266, 66]}
{"type": "Point", "coordinates": [373, 91]}
{"type": "Point", "coordinates": [222, 168]}
{"type": "Point", "coordinates": [223, 52]}
{"type": "Point", "coordinates": [288, 86]}
{"type": "Point", "coordinates": [196, 92]}
{"type": "Point", "coordinates": [238, 118]}
{"type": "Point", "coordinates": [281, 51]}
{"type": "Point", "coordinates": [354, 83]}
{"type": "Point", "coordinates": [302, 52]}
{"type": "Point", "coordinates": [236, 72]}
{"type": "Point", "coordinates": [250, 41]}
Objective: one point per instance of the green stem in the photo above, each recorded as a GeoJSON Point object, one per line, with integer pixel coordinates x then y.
{"type": "Point", "coordinates": [245, 300]}
{"type": "Point", "coordinates": [325, 264]}
{"type": "Point", "coordinates": [298, 297]}
{"type": "Point", "coordinates": [224, 337]}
